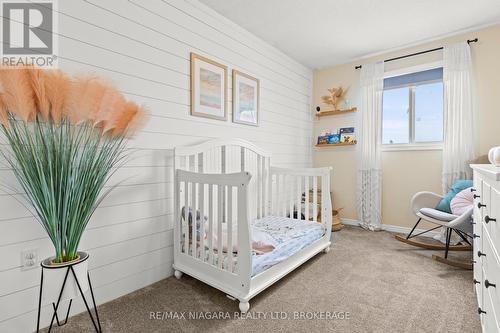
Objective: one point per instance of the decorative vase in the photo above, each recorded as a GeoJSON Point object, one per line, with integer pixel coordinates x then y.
{"type": "Point", "coordinates": [494, 156]}
{"type": "Point", "coordinates": [54, 275]}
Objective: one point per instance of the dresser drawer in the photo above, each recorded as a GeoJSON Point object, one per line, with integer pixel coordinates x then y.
{"type": "Point", "coordinates": [487, 244]}
{"type": "Point", "coordinates": [492, 220]}
{"type": "Point", "coordinates": [484, 203]}
{"type": "Point", "coordinates": [489, 320]}
{"type": "Point", "coordinates": [491, 272]}
{"type": "Point", "coordinates": [477, 262]}
{"type": "Point", "coordinates": [477, 191]}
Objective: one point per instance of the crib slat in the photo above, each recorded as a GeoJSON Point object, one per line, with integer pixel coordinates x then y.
{"type": "Point", "coordinates": [283, 200]}
{"type": "Point", "coordinates": [306, 208]}
{"type": "Point", "coordinates": [325, 201]}
{"type": "Point", "coordinates": [242, 154]}
{"type": "Point", "coordinates": [222, 216]}
{"type": "Point", "coordinates": [276, 194]}
{"type": "Point", "coordinates": [263, 187]}
{"type": "Point", "coordinates": [267, 189]}
{"type": "Point", "coordinates": [259, 186]}
{"type": "Point", "coordinates": [185, 222]}
{"type": "Point", "coordinates": [223, 159]}
{"type": "Point", "coordinates": [200, 162]}
{"type": "Point", "coordinates": [177, 223]}
{"type": "Point", "coordinates": [289, 193]}
{"type": "Point", "coordinates": [299, 198]}
{"type": "Point", "coordinates": [230, 228]}
{"type": "Point", "coordinates": [276, 185]}
{"type": "Point", "coordinates": [315, 199]}
{"type": "Point", "coordinates": [193, 219]}
{"type": "Point", "coordinates": [220, 190]}
{"type": "Point", "coordinates": [210, 224]}
{"type": "Point", "coordinates": [202, 221]}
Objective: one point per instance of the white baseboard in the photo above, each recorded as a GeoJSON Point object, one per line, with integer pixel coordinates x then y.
{"type": "Point", "coordinates": [393, 228]}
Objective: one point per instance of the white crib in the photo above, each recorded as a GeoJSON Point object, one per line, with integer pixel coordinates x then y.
{"type": "Point", "coordinates": [231, 183]}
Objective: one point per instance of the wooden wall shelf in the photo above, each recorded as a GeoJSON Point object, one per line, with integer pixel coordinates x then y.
{"type": "Point", "coordinates": [336, 144]}
{"type": "Point", "coordinates": [335, 112]}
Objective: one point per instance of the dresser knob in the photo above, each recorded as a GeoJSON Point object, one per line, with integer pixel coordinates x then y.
{"type": "Point", "coordinates": [476, 236]}
{"type": "Point", "coordinates": [479, 310]}
{"type": "Point", "coordinates": [479, 254]}
{"type": "Point", "coordinates": [479, 205]}
{"type": "Point", "coordinates": [488, 284]}
{"type": "Point", "coordinates": [476, 196]}
{"type": "Point", "coordinates": [472, 189]}
{"type": "Point", "coordinates": [476, 281]}
{"type": "Point", "coordinates": [487, 219]}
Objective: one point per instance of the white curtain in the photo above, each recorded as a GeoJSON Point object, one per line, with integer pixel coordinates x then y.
{"type": "Point", "coordinates": [369, 136]}
{"type": "Point", "coordinates": [458, 146]}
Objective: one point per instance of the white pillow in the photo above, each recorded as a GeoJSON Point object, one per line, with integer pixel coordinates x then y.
{"type": "Point", "coordinates": [463, 201]}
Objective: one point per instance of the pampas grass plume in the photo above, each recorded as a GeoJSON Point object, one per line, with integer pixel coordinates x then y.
{"type": "Point", "coordinates": [28, 93]}
{"type": "Point", "coordinates": [18, 95]}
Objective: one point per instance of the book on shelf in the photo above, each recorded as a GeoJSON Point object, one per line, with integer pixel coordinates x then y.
{"type": "Point", "coordinates": [347, 135]}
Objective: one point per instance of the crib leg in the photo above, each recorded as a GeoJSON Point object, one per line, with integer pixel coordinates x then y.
{"type": "Point", "coordinates": [244, 306]}
{"type": "Point", "coordinates": [326, 249]}
{"type": "Point", "coordinates": [178, 274]}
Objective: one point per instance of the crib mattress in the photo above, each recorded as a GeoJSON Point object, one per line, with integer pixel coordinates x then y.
{"type": "Point", "coordinates": [291, 235]}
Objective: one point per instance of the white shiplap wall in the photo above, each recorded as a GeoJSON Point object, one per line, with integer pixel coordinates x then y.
{"type": "Point", "coordinates": [143, 47]}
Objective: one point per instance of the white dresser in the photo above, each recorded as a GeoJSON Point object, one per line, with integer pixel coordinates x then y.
{"type": "Point", "coordinates": [487, 244]}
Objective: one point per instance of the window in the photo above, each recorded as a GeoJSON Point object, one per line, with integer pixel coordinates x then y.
{"type": "Point", "coordinates": [413, 108]}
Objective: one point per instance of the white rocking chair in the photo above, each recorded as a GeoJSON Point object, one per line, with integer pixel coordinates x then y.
{"type": "Point", "coordinates": [421, 204]}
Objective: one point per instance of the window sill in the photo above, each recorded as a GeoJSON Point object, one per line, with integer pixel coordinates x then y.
{"type": "Point", "coordinates": [429, 146]}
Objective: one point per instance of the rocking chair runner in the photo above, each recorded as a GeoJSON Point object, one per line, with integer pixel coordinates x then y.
{"type": "Point", "coordinates": [461, 225]}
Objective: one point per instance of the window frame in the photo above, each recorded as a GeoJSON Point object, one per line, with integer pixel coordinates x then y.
{"type": "Point", "coordinates": [411, 145]}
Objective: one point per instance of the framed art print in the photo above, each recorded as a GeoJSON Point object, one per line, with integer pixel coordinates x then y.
{"type": "Point", "coordinates": [208, 88]}
{"type": "Point", "coordinates": [245, 99]}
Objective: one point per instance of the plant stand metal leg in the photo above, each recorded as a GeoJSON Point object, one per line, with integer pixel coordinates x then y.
{"type": "Point", "coordinates": [59, 298]}
{"type": "Point", "coordinates": [93, 301]}
{"type": "Point", "coordinates": [67, 313]}
{"type": "Point", "coordinates": [57, 317]}
{"type": "Point", "coordinates": [85, 300]}
{"type": "Point", "coordinates": [39, 304]}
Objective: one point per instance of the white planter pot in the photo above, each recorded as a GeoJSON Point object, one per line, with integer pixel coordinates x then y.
{"type": "Point", "coordinates": [494, 156]}
{"type": "Point", "coordinates": [53, 278]}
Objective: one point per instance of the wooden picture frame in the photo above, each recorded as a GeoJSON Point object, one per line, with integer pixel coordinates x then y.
{"type": "Point", "coordinates": [246, 106]}
{"type": "Point", "coordinates": [208, 88]}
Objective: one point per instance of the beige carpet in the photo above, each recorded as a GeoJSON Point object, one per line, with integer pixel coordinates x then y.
{"type": "Point", "coordinates": [385, 285]}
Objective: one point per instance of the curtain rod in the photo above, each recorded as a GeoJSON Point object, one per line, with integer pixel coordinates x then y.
{"type": "Point", "coordinates": [419, 53]}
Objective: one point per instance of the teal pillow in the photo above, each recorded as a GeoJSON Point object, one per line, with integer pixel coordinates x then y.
{"type": "Point", "coordinates": [444, 204]}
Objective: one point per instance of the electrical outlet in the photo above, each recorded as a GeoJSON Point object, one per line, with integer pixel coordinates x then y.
{"type": "Point", "coordinates": [29, 259]}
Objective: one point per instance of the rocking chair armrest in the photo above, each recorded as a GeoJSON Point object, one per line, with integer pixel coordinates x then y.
{"type": "Point", "coordinates": [424, 199]}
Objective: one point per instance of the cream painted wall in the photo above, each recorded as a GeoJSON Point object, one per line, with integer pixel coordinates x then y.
{"type": "Point", "coordinates": [407, 172]}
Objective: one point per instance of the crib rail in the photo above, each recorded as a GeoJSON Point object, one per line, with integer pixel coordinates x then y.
{"type": "Point", "coordinates": [298, 193]}
{"type": "Point", "coordinates": [211, 220]}
{"type": "Point", "coordinates": [223, 156]}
